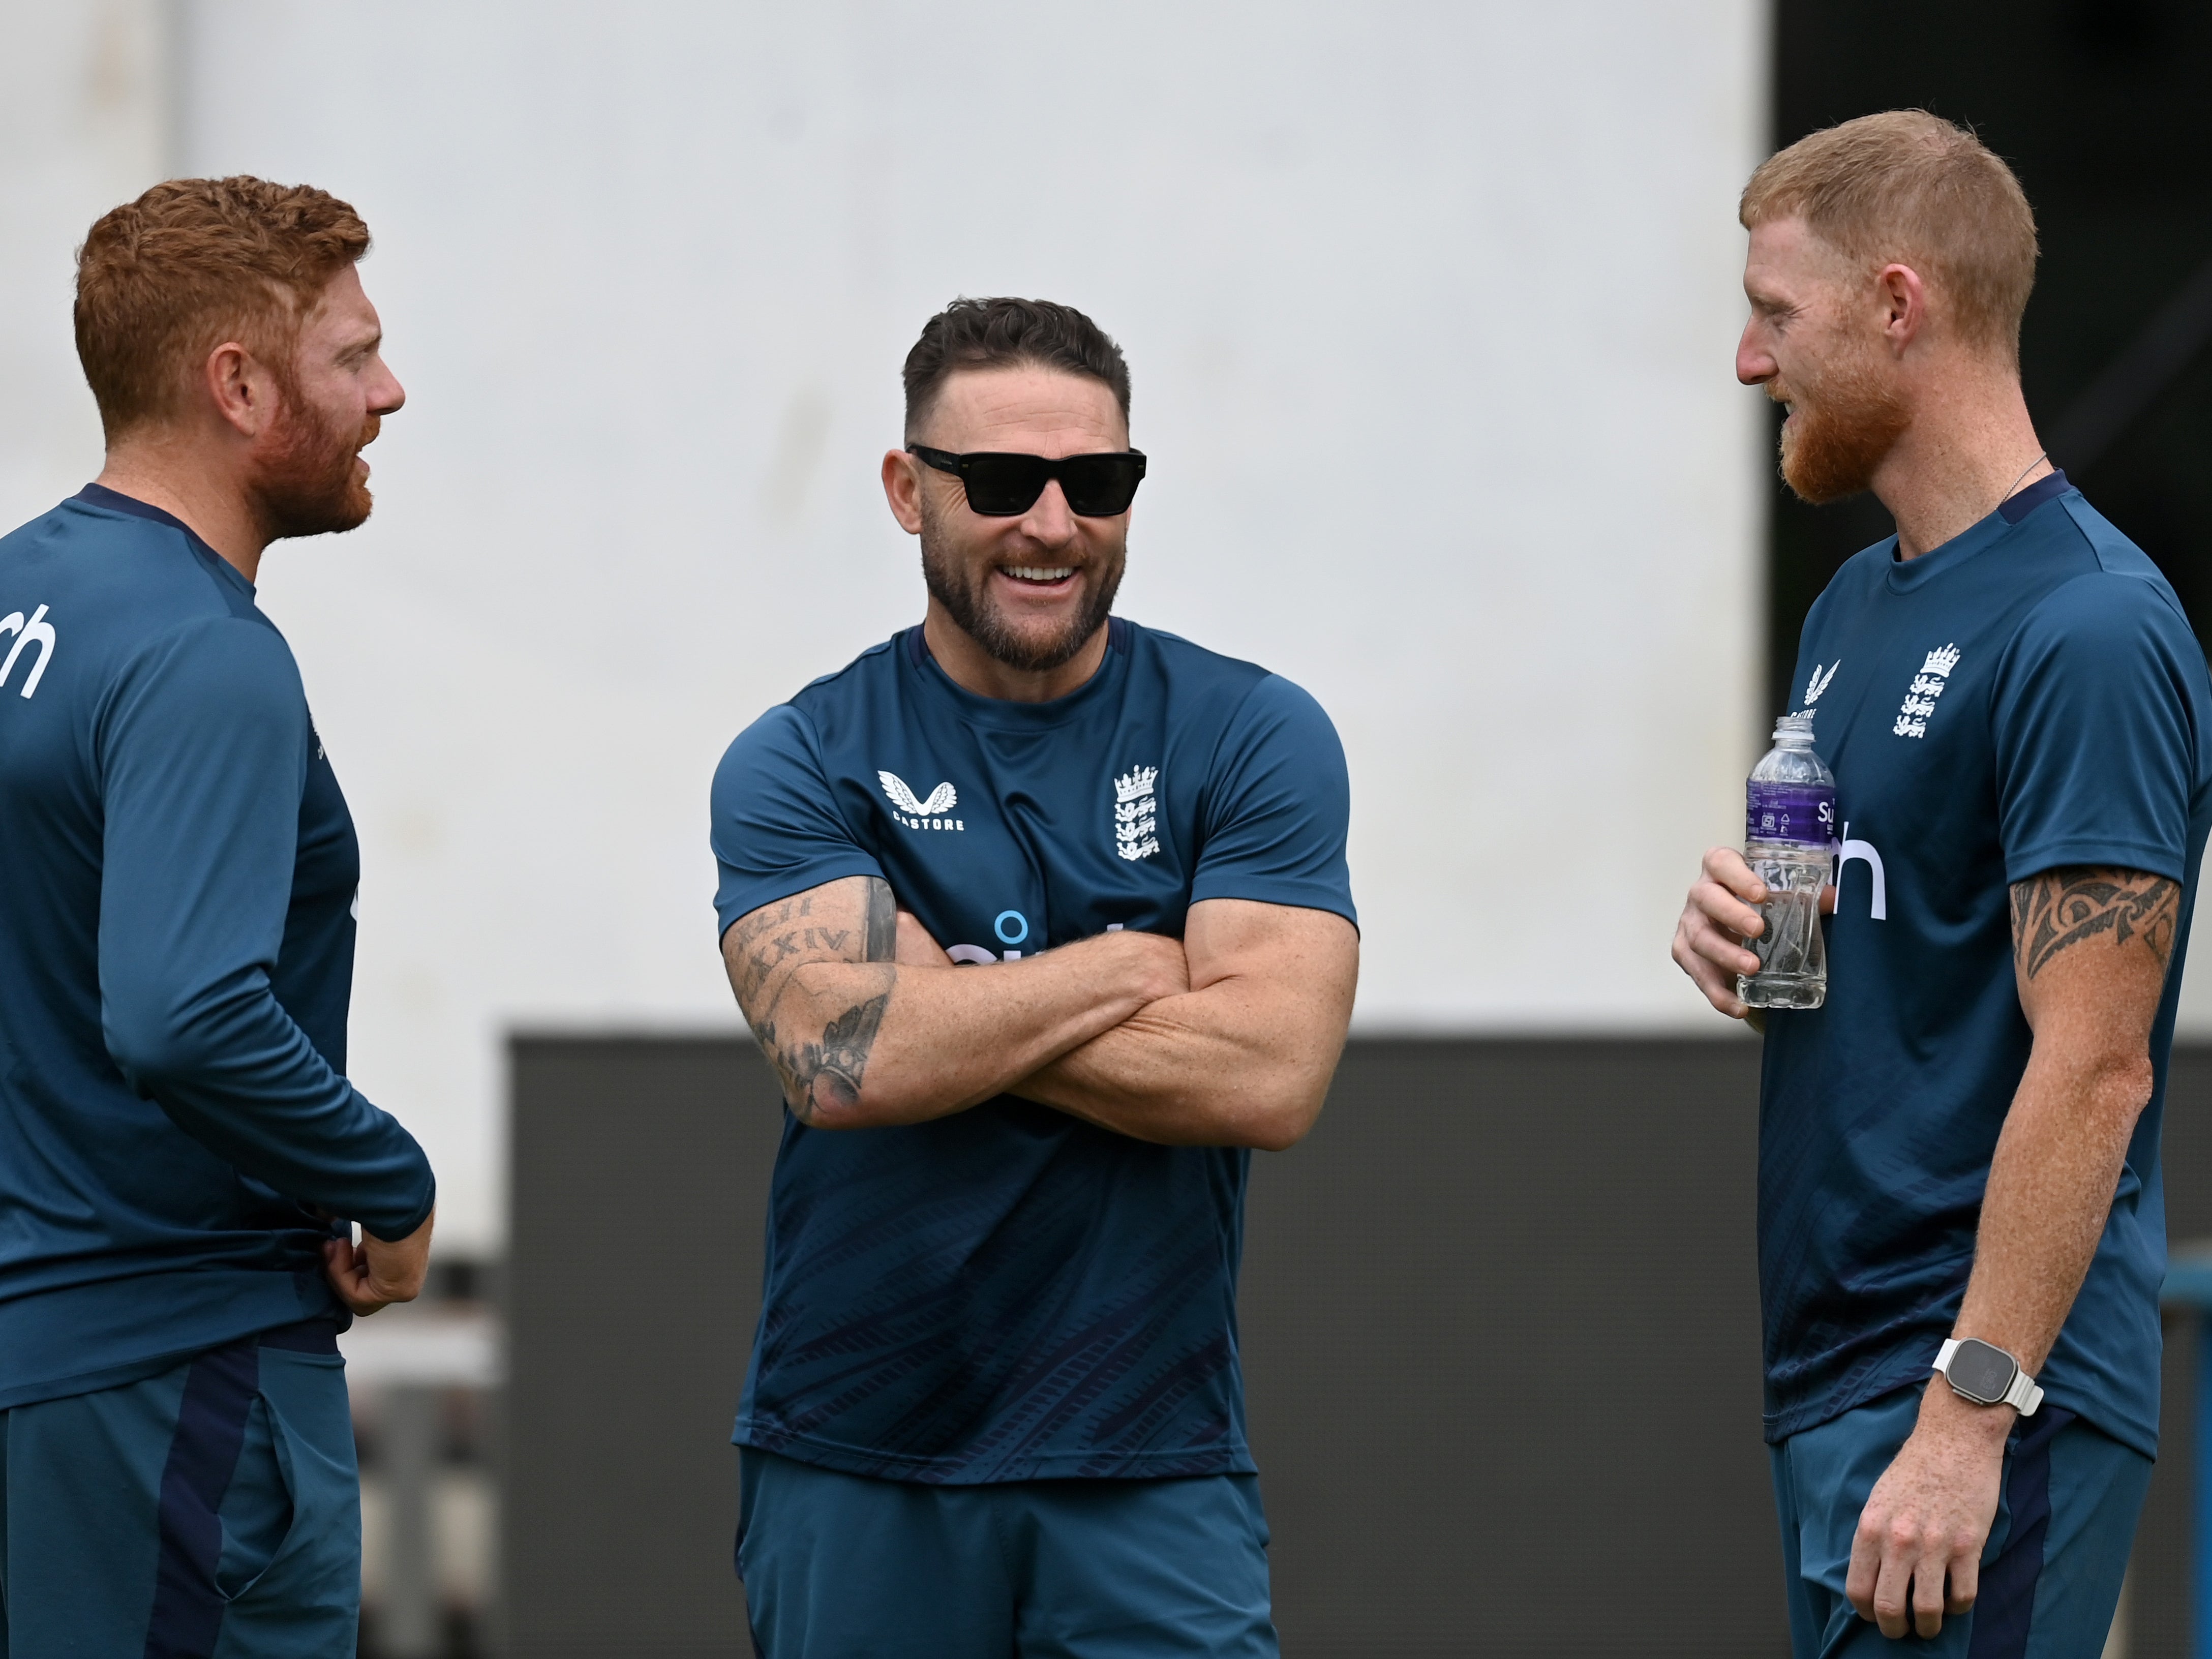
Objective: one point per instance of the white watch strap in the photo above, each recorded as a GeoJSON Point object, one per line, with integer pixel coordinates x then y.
{"type": "Point", "coordinates": [2024, 1396]}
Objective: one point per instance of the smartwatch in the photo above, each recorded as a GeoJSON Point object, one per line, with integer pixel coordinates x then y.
{"type": "Point", "coordinates": [1987, 1375]}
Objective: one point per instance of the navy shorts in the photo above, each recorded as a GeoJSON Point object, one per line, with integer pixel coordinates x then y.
{"type": "Point", "coordinates": [837, 1566]}
{"type": "Point", "coordinates": [2050, 1572]}
{"type": "Point", "coordinates": [212, 1511]}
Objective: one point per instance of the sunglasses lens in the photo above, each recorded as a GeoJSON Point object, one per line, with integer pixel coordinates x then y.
{"type": "Point", "coordinates": [1099, 486]}
{"type": "Point", "coordinates": [1000, 486]}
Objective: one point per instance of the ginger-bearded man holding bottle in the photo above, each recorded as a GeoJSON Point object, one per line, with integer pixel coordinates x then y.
{"type": "Point", "coordinates": [1961, 1227]}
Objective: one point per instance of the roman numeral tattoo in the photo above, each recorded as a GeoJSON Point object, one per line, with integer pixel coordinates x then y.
{"type": "Point", "coordinates": [820, 1070]}
{"type": "Point", "coordinates": [2060, 908]}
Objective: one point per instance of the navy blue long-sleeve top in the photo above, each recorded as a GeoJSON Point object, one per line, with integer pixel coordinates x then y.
{"type": "Point", "coordinates": [177, 874]}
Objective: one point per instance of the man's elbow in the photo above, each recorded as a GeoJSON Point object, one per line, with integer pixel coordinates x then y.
{"type": "Point", "coordinates": [153, 1047]}
{"type": "Point", "coordinates": [2121, 1085]}
{"type": "Point", "coordinates": [1286, 1116]}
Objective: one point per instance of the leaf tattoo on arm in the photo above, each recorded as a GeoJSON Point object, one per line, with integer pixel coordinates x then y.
{"type": "Point", "coordinates": [2059, 910]}
{"type": "Point", "coordinates": [825, 1076]}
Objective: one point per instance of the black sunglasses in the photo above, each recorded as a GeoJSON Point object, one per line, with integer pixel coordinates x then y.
{"type": "Point", "coordinates": [1005, 486]}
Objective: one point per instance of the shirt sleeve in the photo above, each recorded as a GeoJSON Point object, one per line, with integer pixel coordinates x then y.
{"type": "Point", "coordinates": [203, 757]}
{"type": "Point", "coordinates": [1278, 805]}
{"type": "Point", "coordinates": [2095, 724]}
{"type": "Point", "coordinates": [775, 826]}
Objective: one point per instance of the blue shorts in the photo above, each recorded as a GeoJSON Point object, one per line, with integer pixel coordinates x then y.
{"type": "Point", "coordinates": [2052, 1569]}
{"type": "Point", "coordinates": [838, 1566]}
{"type": "Point", "coordinates": [212, 1511]}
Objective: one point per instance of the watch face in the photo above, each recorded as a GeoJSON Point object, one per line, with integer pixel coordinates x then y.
{"type": "Point", "coordinates": [1981, 1372]}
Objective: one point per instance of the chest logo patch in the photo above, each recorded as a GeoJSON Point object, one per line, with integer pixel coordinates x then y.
{"type": "Point", "coordinates": [1927, 685]}
{"type": "Point", "coordinates": [1819, 682]}
{"type": "Point", "coordinates": [1136, 814]}
{"type": "Point", "coordinates": [916, 813]}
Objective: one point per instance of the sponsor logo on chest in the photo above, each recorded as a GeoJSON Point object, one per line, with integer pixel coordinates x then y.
{"type": "Point", "coordinates": [915, 813]}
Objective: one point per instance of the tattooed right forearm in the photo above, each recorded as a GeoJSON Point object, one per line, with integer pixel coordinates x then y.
{"type": "Point", "coordinates": [817, 1030]}
{"type": "Point", "coordinates": [824, 1077]}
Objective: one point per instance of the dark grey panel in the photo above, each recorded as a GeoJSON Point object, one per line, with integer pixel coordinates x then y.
{"type": "Point", "coordinates": [1501, 1332]}
{"type": "Point", "coordinates": [1500, 1325]}
{"type": "Point", "coordinates": [640, 1186]}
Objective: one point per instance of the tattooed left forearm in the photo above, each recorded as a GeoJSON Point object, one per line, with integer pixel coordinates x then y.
{"type": "Point", "coordinates": [2059, 909]}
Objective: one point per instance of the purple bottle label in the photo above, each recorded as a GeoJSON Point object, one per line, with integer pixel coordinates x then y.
{"type": "Point", "coordinates": [1802, 813]}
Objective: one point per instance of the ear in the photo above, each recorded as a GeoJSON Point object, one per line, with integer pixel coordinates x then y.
{"type": "Point", "coordinates": [1902, 298]}
{"type": "Point", "coordinates": [902, 489]}
{"type": "Point", "coordinates": [242, 390]}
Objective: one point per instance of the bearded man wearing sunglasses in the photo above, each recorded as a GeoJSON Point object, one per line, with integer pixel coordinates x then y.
{"type": "Point", "coordinates": [1043, 919]}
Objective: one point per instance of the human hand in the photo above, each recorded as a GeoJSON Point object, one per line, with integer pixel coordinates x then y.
{"type": "Point", "coordinates": [1718, 917]}
{"type": "Point", "coordinates": [1917, 1553]}
{"type": "Point", "coordinates": [372, 1274]}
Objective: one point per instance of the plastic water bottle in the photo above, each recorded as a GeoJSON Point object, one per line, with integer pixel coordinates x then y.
{"type": "Point", "coordinates": [1789, 833]}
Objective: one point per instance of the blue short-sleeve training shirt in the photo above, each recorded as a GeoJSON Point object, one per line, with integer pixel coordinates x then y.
{"type": "Point", "coordinates": [1010, 1293]}
{"type": "Point", "coordinates": [2028, 696]}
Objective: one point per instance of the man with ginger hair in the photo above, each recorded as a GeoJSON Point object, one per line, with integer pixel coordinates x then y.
{"type": "Point", "coordinates": [1961, 1227]}
{"type": "Point", "coordinates": [181, 1156]}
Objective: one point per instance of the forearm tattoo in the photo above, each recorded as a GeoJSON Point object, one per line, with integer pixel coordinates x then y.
{"type": "Point", "coordinates": [820, 1070]}
{"type": "Point", "coordinates": [825, 1076]}
{"type": "Point", "coordinates": [2060, 908]}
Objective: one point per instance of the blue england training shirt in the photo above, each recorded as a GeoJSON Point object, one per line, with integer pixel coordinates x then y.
{"type": "Point", "coordinates": [2027, 697]}
{"type": "Point", "coordinates": [1010, 1293]}
{"type": "Point", "coordinates": [176, 954]}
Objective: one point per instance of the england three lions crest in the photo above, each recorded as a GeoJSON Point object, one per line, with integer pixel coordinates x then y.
{"type": "Point", "coordinates": [1136, 814]}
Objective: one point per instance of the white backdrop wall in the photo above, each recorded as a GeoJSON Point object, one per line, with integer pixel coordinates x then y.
{"type": "Point", "coordinates": [1430, 310]}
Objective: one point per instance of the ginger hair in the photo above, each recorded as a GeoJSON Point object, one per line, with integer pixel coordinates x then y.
{"type": "Point", "coordinates": [162, 281]}
{"type": "Point", "coordinates": [1911, 188]}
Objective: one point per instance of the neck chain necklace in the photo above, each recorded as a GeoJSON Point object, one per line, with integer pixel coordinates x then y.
{"type": "Point", "coordinates": [2014, 487]}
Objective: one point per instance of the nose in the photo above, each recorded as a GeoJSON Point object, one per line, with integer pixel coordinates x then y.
{"type": "Point", "coordinates": [1049, 520]}
{"type": "Point", "coordinates": [385, 395]}
{"type": "Point", "coordinates": [1754, 361]}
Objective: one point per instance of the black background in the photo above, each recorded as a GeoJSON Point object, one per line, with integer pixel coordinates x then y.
{"type": "Point", "coordinates": [2104, 108]}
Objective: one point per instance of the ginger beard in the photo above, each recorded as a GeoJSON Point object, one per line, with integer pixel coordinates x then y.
{"type": "Point", "coordinates": [963, 585]}
{"type": "Point", "coordinates": [1845, 418]}
{"type": "Point", "coordinates": [305, 484]}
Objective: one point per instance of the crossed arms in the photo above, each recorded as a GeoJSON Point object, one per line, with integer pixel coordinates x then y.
{"type": "Point", "coordinates": [1227, 1037]}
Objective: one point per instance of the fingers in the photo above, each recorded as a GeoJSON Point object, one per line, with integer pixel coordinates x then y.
{"type": "Point", "coordinates": [1929, 1579]}
{"type": "Point", "coordinates": [1828, 900]}
{"type": "Point", "coordinates": [1901, 1580]}
{"type": "Point", "coordinates": [346, 1266]}
{"type": "Point", "coordinates": [1892, 1605]}
{"type": "Point", "coordinates": [1865, 1571]}
{"type": "Point", "coordinates": [1717, 984]}
{"type": "Point", "coordinates": [1966, 1576]}
{"type": "Point", "coordinates": [1725, 867]}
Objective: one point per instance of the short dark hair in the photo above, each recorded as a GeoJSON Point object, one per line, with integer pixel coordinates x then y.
{"type": "Point", "coordinates": [1005, 334]}
{"type": "Point", "coordinates": [162, 281]}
